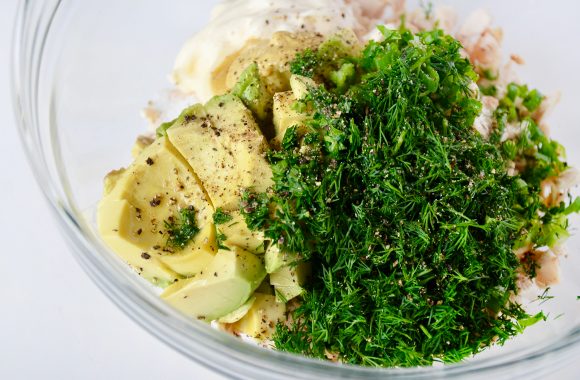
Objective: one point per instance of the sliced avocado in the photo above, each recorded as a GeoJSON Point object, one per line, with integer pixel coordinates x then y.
{"type": "Point", "coordinates": [301, 85]}
{"type": "Point", "coordinates": [244, 144]}
{"type": "Point", "coordinates": [252, 91]}
{"type": "Point", "coordinates": [115, 221]}
{"type": "Point", "coordinates": [275, 259]}
{"type": "Point", "coordinates": [237, 234]}
{"type": "Point", "coordinates": [161, 130]}
{"type": "Point", "coordinates": [226, 150]}
{"type": "Point", "coordinates": [195, 111]}
{"type": "Point", "coordinates": [196, 256]}
{"type": "Point", "coordinates": [150, 191]}
{"type": "Point", "coordinates": [286, 116]}
{"type": "Point", "coordinates": [286, 293]}
{"type": "Point", "coordinates": [239, 313]}
{"type": "Point", "coordinates": [261, 320]}
{"type": "Point", "coordinates": [288, 281]}
{"type": "Point", "coordinates": [225, 285]}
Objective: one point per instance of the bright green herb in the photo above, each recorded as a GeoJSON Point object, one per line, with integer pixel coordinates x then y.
{"type": "Point", "coordinates": [162, 129]}
{"type": "Point", "coordinates": [251, 90]}
{"type": "Point", "coordinates": [254, 208]}
{"type": "Point", "coordinates": [181, 231]}
{"type": "Point", "coordinates": [221, 217]}
{"type": "Point", "coordinates": [541, 224]}
{"type": "Point", "coordinates": [305, 63]}
{"type": "Point", "coordinates": [220, 238]}
{"type": "Point", "coordinates": [544, 297]}
{"type": "Point", "coordinates": [407, 214]}
{"type": "Point", "coordinates": [331, 63]}
{"type": "Point", "coordinates": [532, 320]}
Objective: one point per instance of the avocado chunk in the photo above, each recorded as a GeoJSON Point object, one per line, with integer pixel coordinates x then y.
{"type": "Point", "coordinates": [225, 148]}
{"type": "Point", "coordinates": [288, 281]}
{"type": "Point", "coordinates": [301, 85]}
{"type": "Point", "coordinates": [115, 220]}
{"type": "Point", "coordinates": [261, 319]}
{"type": "Point", "coordinates": [196, 256]}
{"type": "Point", "coordinates": [236, 233]}
{"type": "Point", "coordinates": [275, 259]}
{"type": "Point", "coordinates": [149, 192]}
{"type": "Point", "coordinates": [334, 53]}
{"type": "Point", "coordinates": [192, 112]}
{"type": "Point", "coordinates": [225, 285]}
{"type": "Point", "coordinates": [286, 116]}
{"type": "Point", "coordinates": [239, 313]}
{"type": "Point", "coordinates": [252, 91]}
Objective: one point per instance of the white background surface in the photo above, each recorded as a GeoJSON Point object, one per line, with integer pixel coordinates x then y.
{"type": "Point", "coordinates": [54, 323]}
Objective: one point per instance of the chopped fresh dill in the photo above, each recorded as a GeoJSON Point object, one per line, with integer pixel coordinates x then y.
{"type": "Point", "coordinates": [181, 231]}
{"type": "Point", "coordinates": [406, 213]}
{"type": "Point", "coordinates": [544, 296]}
{"type": "Point", "coordinates": [543, 224]}
{"type": "Point", "coordinates": [220, 238]}
{"type": "Point", "coordinates": [254, 208]}
{"type": "Point", "coordinates": [304, 63]}
{"type": "Point", "coordinates": [532, 320]}
{"type": "Point", "coordinates": [221, 217]}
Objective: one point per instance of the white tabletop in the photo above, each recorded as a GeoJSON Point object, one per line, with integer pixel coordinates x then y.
{"type": "Point", "coordinates": [54, 322]}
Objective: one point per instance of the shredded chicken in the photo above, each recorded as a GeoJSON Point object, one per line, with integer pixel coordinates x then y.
{"type": "Point", "coordinates": [555, 189]}
{"type": "Point", "coordinates": [548, 268]}
{"type": "Point", "coordinates": [484, 122]}
{"type": "Point", "coordinates": [481, 42]}
{"type": "Point", "coordinates": [444, 17]}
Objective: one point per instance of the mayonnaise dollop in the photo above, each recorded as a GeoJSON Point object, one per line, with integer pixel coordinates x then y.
{"type": "Point", "coordinates": [234, 22]}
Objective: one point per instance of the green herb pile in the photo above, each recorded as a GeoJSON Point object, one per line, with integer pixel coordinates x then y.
{"type": "Point", "coordinates": [407, 214]}
{"type": "Point", "coordinates": [539, 159]}
{"type": "Point", "coordinates": [181, 231]}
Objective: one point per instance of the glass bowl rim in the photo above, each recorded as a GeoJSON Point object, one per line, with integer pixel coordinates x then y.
{"type": "Point", "coordinates": [33, 26]}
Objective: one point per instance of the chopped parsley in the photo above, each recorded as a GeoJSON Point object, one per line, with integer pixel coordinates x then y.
{"type": "Point", "coordinates": [305, 63]}
{"type": "Point", "coordinates": [221, 217]}
{"type": "Point", "coordinates": [406, 213]}
{"type": "Point", "coordinates": [541, 223]}
{"type": "Point", "coordinates": [221, 238]}
{"type": "Point", "coordinates": [182, 229]}
{"type": "Point", "coordinates": [254, 208]}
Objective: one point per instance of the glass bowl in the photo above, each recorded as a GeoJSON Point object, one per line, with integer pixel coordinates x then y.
{"type": "Point", "coordinates": [82, 71]}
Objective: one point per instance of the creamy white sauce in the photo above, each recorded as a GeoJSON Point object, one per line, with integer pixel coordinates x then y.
{"type": "Point", "coordinates": [234, 22]}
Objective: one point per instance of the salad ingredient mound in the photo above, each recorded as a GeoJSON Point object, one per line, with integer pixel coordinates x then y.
{"type": "Point", "coordinates": [406, 213]}
{"type": "Point", "coordinates": [381, 203]}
